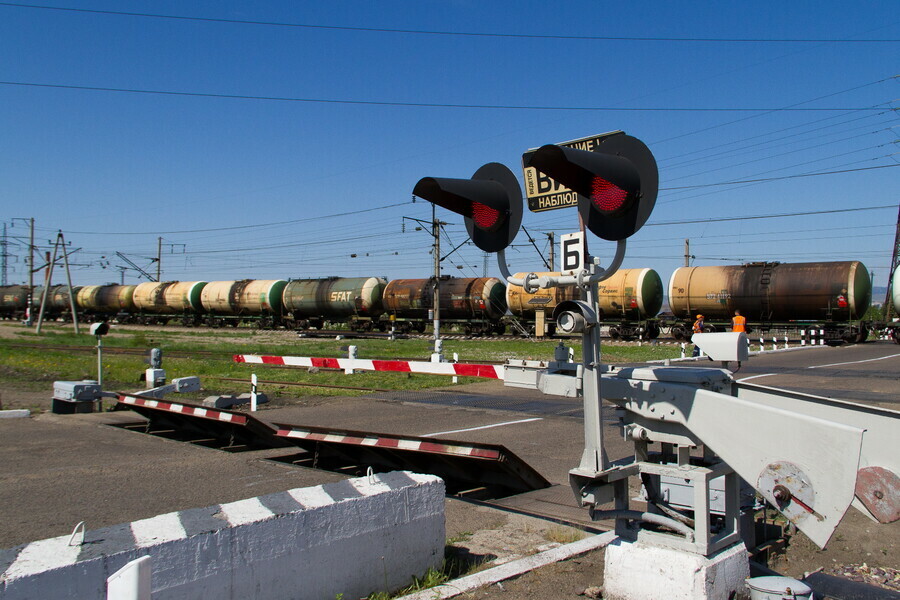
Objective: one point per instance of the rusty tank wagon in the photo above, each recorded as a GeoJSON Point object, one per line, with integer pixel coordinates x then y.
{"type": "Point", "coordinates": [832, 296]}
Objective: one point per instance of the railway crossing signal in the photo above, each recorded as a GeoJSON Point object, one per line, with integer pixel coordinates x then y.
{"type": "Point", "coordinates": [491, 202]}
{"type": "Point", "coordinates": [617, 182]}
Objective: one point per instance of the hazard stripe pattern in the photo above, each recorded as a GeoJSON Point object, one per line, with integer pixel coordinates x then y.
{"type": "Point", "coordinates": [402, 366]}
{"type": "Point", "coordinates": [415, 444]}
{"type": "Point", "coordinates": [184, 409]}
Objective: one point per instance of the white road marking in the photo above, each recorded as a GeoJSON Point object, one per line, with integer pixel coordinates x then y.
{"type": "Point", "coordinates": [484, 427]}
{"type": "Point", "coordinates": [755, 376]}
{"type": "Point", "coordinates": [853, 362]}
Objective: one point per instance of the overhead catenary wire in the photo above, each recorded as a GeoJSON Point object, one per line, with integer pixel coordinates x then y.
{"type": "Point", "coordinates": [435, 32]}
{"type": "Point", "coordinates": [537, 107]}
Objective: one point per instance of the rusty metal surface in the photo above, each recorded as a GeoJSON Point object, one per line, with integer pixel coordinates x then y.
{"type": "Point", "coordinates": [879, 491]}
{"type": "Point", "coordinates": [13, 297]}
{"type": "Point", "coordinates": [151, 296]}
{"type": "Point", "coordinates": [766, 292]}
{"type": "Point", "coordinates": [106, 298]}
{"type": "Point", "coordinates": [460, 298]}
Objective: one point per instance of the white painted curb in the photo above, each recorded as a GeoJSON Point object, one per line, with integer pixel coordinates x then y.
{"type": "Point", "coordinates": [512, 569]}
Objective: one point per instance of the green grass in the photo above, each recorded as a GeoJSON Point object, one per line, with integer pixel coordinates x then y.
{"type": "Point", "coordinates": [35, 368]}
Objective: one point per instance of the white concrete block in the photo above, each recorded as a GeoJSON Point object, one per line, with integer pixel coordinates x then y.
{"type": "Point", "coordinates": [640, 572]}
{"type": "Point", "coordinates": [15, 413]}
{"type": "Point", "coordinates": [352, 537]}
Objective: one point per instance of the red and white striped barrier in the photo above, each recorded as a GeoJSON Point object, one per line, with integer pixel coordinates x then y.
{"type": "Point", "coordinates": [184, 409]}
{"type": "Point", "coordinates": [386, 441]}
{"type": "Point", "coordinates": [402, 366]}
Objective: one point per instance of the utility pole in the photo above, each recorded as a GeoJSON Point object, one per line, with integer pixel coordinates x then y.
{"type": "Point", "coordinates": [158, 258]}
{"type": "Point", "coordinates": [3, 256]}
{"type": "Point", "coordinates": [30, 273]}
{"type": "Point", "coordinates": [552, 237]}
{"type": "Point", "coordinates": [687, 252]}
{"type": "Point", "coordinates": [889, 310]}
{"type": "Point", "coordinates": [60, 243]}
{"type": "Point", "coordinates": [436, 232]}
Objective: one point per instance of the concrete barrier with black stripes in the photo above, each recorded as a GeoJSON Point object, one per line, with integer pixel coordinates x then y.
{"type": "Point", "coordinates": [348, 538]}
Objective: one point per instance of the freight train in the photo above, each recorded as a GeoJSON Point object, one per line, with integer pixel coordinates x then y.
{"type": "Point", "coordinates": [477, 305]}
{"type": "Point", "coordinates": [628, 302]}
{"type": "Point", "coordinates": [831, 296]}
{"type": "Point", "coordinates": [828, 296]}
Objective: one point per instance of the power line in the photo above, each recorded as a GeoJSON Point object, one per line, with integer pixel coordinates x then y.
{"type": "Point", "coordinates": [773, 216]}
{"type": "Point", "coordinates": [427, 104]}
{"type": "Point", "coordinates": [704, 185]}
{"type": "Point", "coordinates": [453, 33]}
{"type": "Point", "coordinates": [344, 214]}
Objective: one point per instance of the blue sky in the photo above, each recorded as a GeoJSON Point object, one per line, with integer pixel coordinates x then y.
{"type": "Point", "coordinates": [257, 187]}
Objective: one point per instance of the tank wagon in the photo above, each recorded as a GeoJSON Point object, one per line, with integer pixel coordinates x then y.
{"type": "Point", "coordinates": [13, 301]}
{"type": "Point", "coordinates": [156, 302]}
{"type": "Point", "coordinates": [311, 303]}
{"type": "Point", "coordinates": [230, 302]}
{"type": "Point", "coordinates": [832, 296]}
{"type": "Point", "coordinates": [893, 328]}
{"type": "Point", "coordinates": [475, 304]}
{"type": "Point", "coordinates": [534, 312]}
{"type": "Point", "coordinates": [103, 302]}
{"type": "Point", "coordinates": [628, 301]}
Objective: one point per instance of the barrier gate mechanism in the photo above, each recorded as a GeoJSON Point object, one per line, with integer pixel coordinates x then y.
{"type": "Point", "coordinates": [809, 457]}
{"type": "Point", "coordinates": [470, 469]}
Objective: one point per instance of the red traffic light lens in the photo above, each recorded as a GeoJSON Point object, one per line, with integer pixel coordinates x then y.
{"type": "Point", "coordinates": [484, 216]}
{"type": "Point", "coordinates": [608, 197]}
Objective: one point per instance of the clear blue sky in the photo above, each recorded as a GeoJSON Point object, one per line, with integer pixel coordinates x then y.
{"type": "Point", "coordinates": [249, 188]}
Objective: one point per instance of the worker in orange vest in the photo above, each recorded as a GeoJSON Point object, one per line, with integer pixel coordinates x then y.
{"type": "Point", "coordinates": [698, 328]}
{"type": "Point", "coordinates": [738, 323]}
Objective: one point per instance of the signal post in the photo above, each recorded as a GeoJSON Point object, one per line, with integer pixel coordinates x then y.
{"type": "Point", "coordinates": [809, 457]}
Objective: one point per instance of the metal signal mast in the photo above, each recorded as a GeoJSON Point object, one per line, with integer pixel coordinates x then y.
{"type": "Point", "coordinates": [889, 310]}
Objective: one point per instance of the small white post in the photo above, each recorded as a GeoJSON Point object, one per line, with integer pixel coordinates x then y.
{"type": "Point", "coordinates": [802, 337]}
{"type": "Point", "coordinates": [456, 360]}
{"type": "Point", "coordinates": [253, 382]}
{"type": "Point", "coordinates": [683, 346]}
{"type": "Point", "coordinates": [786, 341]}
{"type": "Point", "coordinates": [351, 354]}
{"type": "Point", "coordinates": [131, 582]}
{"type": "Point", "coordinates": [762, 344]}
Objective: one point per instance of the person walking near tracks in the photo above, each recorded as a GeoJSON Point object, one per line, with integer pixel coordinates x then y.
{"type": "Point", "coordinates": [698, 328]}
{"type": "Point", "coordinates": [738, 323]}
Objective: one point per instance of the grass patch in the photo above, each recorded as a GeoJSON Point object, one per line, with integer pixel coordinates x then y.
{"type": "Point", "coordinates": [35, 367]}
{"type": "Point", "coordinates": [564, 535]}
{"type": "Point", "coordinates": [451, 568]}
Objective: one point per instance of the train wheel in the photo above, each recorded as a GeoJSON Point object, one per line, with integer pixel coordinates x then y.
{"type": "Point", "coordinates": [652, 331]}
{"type": "Point", "coordinates": [709, 329]}
{"type": "Point", "coordinates": [614, 333]}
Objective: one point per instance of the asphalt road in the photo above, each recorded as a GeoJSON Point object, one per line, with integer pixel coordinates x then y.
{"type": "Point", "coordinates": [59, 470]}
